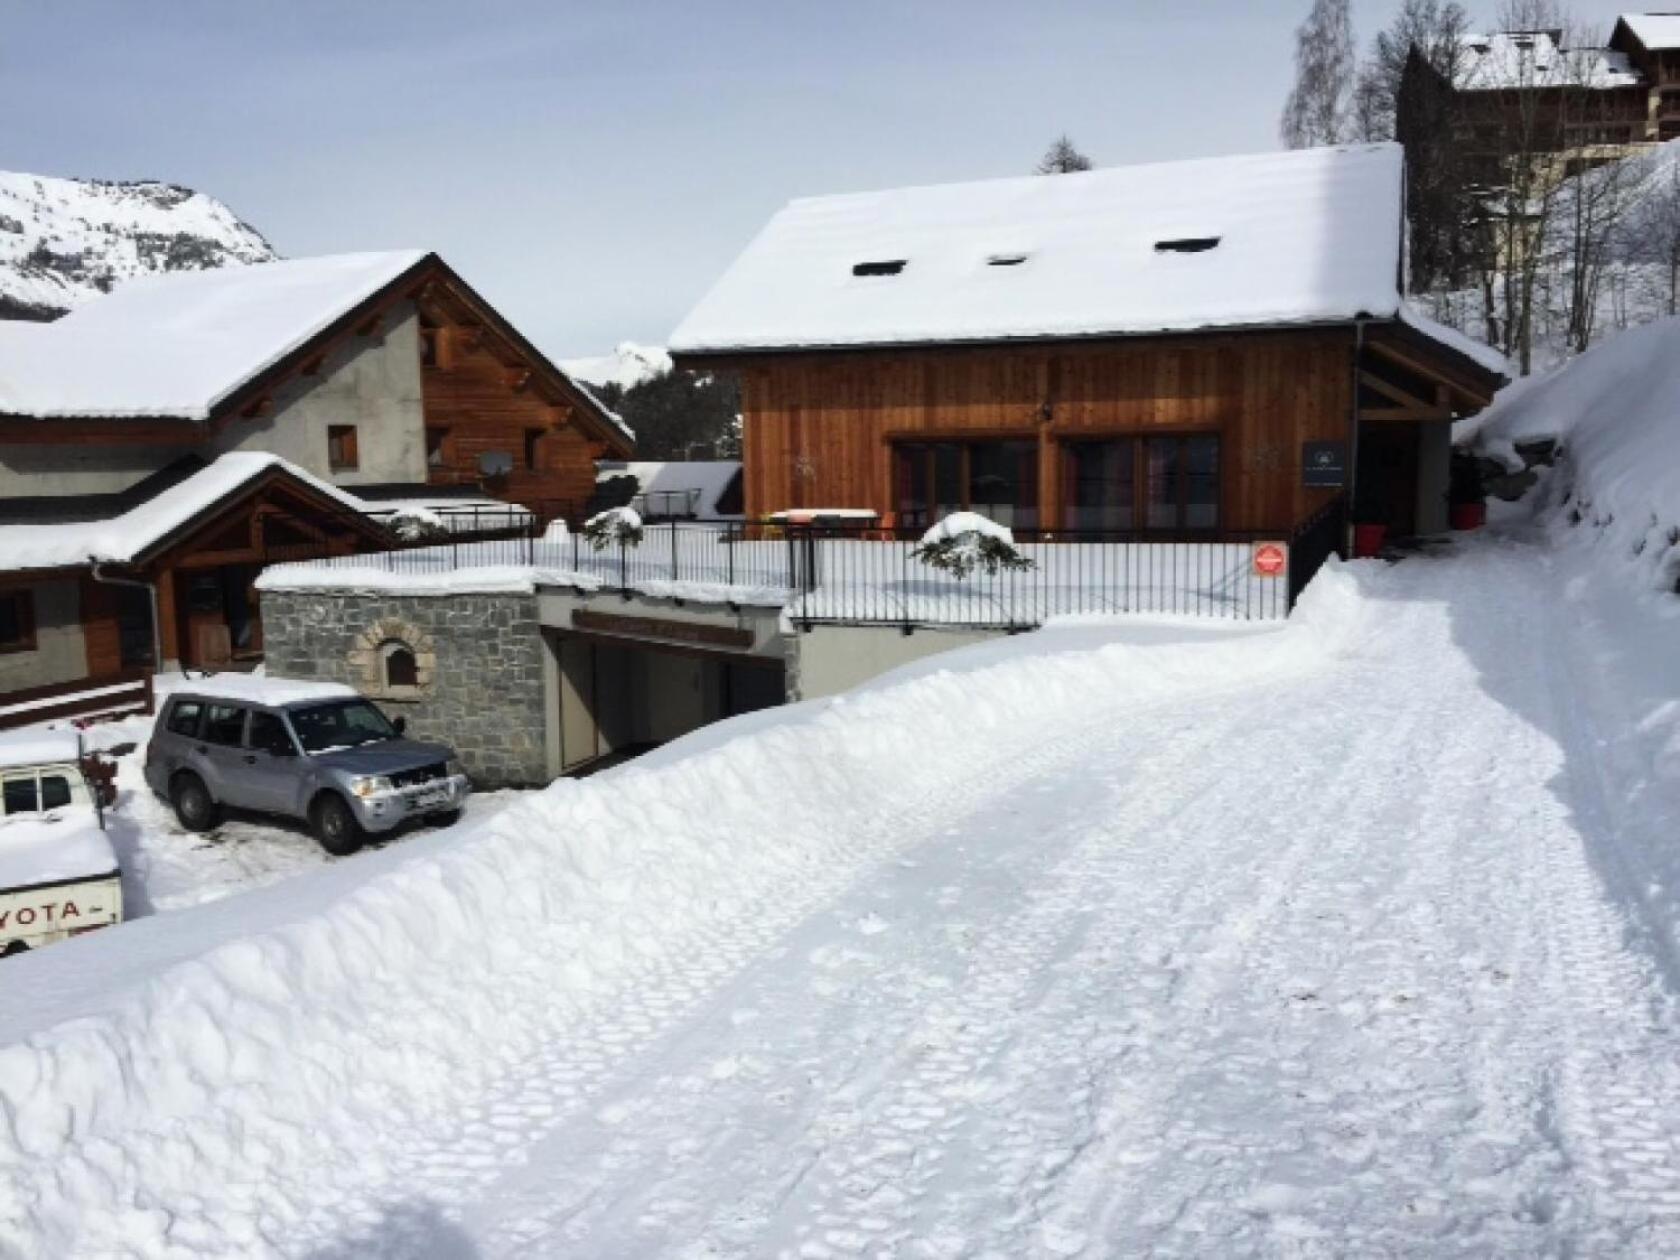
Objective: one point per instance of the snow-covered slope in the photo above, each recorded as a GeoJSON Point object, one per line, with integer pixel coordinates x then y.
{"type": "Point", "coordinates": [629, 364]}
{"type": "Point", "coordinates": [1101, 947]}
{"type": "Point", "coordinates": [1615, 412]}
{"type": "Point", "coordinates": [63, 241]}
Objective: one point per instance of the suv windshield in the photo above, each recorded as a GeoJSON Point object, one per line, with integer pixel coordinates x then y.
{"type": "Point", "coordinates": [340, 724]}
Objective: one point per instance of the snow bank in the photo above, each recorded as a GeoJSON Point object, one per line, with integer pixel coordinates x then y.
{"type": "Point", "coordinates": [285, 1046]}
{"type": "Point", "coordinates": [1616, 412]}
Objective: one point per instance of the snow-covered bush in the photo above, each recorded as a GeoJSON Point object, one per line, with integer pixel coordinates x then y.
{"type": "Point", "coordinates": [965, 541]}
{"type": "Point", "coordinates": [414, 524]}
{"type": "Point", "coordinates": [621, 525]}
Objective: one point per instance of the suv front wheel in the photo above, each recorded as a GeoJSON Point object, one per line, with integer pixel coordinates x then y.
{"type": "Point", "coordinates": [335, 825]}
{"type": "Point", "coordinates": [194, 805]}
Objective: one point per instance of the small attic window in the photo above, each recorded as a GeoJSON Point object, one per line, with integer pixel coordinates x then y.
{"type": "Point", "coordinates": [884, 267]}
{"type": "Point", "coordinates": [1186, 245]}
{"type": "Point", "coordinates": [1006, 260]}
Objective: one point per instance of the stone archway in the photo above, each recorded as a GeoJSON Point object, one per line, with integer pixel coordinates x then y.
{"type": "Point", "coordinates": [381, 653]}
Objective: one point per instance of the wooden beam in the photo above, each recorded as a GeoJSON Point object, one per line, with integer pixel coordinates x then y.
{"type": "Point", "coordinates": [1393, 392]}
{"type": "Point", "coordinates": [312, 367]}
{"type": "Point", "coordinates": [1414, 364]}
{"type": "Point", "coordinates": [263, 406]}
{"type": "Point", "coordinates": [1382, 415]}
{"type": "Point", "coordinates": [370, 326]}
{"type": "Point", "coordinates": [518, 379]}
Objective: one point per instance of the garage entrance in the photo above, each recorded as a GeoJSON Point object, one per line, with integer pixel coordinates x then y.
{"type": "Point", "coordinates": [619, 698]}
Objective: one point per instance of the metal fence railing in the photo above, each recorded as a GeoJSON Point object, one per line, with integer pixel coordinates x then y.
{"type": "Point", "coordinates": [864, 574]}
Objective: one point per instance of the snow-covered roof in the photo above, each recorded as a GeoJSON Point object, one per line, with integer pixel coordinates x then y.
{"type": "Point", "coordinates": [1298, 237]}
{"type": "Point", "coordinates": [129, 536]}
{"type": "Point", "coordinates": [1484, 356]}
{"type": "Point", "coordinates": [37, 748]}
{"type": "Point", "coordinates": [175, 345]}
{"type": "Point", "coordinates": [699, 483]}
{"type": "Point", "coordinates": [1535, 59]}
{"type": "Point", "coordinates": [61, 844]}
{"type": "Point", "coordinates": [1657, 31]}
{"type": "Point", "coordinates": [261, 689]}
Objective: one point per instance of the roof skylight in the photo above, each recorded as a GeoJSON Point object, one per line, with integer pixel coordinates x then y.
{"type": "Point", "coordinates": [1006, 260]}
{"type": "Point", "coordinates": [883, 267]}
{"type": "Point", "coordinates": [1186, 245]}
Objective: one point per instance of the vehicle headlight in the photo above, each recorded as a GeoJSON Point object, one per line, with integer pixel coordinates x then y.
{"type": "Point", "coordinates": [370, 785]}
{"type": "Point", "coordinates": [453, 767]}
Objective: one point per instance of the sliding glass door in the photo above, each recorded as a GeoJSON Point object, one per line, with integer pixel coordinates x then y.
{"type": "Point", "coordinates": [933, 479]}
{"type": "Point", "coordinates": [1175, 477]}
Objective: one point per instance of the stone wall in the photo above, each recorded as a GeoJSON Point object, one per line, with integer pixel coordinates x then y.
{"type": "Point", "coordinates": [479, 664]}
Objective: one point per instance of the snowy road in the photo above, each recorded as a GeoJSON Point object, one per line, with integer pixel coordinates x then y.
{"type": "Point", "coordinates": [1318, 965]}
{"type": "Point", "coordinates": [1351, 955]}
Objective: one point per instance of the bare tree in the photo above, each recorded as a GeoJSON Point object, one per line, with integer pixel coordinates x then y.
{"type": "Point", "coordinates": [1651, 233]}
{"type": "Point", "coordinates": [1061, 158]}
{"type": "Point", "coordinates": [1320, 105]}
{"type": "Point", "coordinates": [1432, 30]}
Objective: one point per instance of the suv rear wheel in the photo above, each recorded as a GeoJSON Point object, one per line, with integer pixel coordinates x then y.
{"type": "Point", "coordinates": [335, 825]}
{"type": "Point", "coordinates": [194, 805]}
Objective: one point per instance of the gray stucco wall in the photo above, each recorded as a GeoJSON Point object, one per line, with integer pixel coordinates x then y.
{"type": "Point", "coordinates": [826, 660]}
{"type": "Point", "coordinates": [60, 649]}
{"type": "Point", "coordinates": [372, 383]}
{"type": "Point", "coordinates": [483, 684]}
{"type": "Point", "coordinates": [68, 468]}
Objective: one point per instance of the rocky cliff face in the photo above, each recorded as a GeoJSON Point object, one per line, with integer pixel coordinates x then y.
{"type": "Point", "coordinates": [63, 241]}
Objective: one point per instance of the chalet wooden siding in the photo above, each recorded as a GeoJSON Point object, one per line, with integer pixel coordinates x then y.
{"type": "Point", "coordinates": [819, 429]}
{"type": "Point", "coordinates": [479, 405]}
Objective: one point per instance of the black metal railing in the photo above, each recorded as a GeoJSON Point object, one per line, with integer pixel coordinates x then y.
{"type": "Point", "coordinates": [1315, 540]}
{"type": "Point", "coordinates": [859, 574]}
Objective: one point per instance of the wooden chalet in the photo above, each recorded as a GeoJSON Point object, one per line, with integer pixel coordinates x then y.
{"type": "Point", "coordinates": [163, 442]}
{"type": "Point", "coordinates": [1171, 350]}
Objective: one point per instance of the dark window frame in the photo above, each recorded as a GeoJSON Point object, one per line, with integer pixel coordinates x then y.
{"type": "Point", "coordinates": [343, 453]}
{"type": "Point", "coordinates": [907, 453]}
{"type": "Point", "coordinates": [25, 639]}
{"type": "Point", "coordinates": [1141, 500]}
{"type": "Point", "coordinates": [532, 438]}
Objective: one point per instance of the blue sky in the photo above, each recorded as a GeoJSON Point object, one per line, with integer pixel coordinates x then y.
{"type": "Point", "coordinates": [591, 168]}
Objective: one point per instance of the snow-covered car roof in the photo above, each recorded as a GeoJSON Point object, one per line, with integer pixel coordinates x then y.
{"type": "Point", "coordinates": [1309, 236]}
{"type": "Point", "coordinates": [37, 748]}
{"type": "Point", "coordinates": [260, 689]}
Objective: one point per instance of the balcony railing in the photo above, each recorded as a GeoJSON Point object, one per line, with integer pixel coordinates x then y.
{"type": "Point", "coordinates": [866, 575]}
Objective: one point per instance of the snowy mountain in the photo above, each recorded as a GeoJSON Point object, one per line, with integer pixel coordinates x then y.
{"type": "Point", "coordinates": [63, 241]}
{"type": "Point", "coordinates": [629, 364]}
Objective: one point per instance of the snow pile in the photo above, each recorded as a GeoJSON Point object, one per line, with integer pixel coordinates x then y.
{"type": "Point", "coordinates": [248, 1077]}
{"type": "Point", "coordinates": [64, 241]}
{"type": "Point", "coordinates": [620, 525]}
{"type": "Point", "coordinates": [966, 542]}
{"type": "Point", "coordinates": [1616, 413]}
{"type": "Point", "coordinates": [627, 366]}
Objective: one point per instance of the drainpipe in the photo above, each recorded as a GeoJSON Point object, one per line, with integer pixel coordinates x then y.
{"type": "Point", "coordinates": [1353, 437]}
{"type": "Point", "coordinates": [151, 592]}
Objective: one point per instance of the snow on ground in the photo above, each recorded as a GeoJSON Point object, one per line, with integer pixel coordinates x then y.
{"type": "Point", "coordinates": [1350, 937]}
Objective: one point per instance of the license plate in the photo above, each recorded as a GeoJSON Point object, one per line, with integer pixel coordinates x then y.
{"type": "Point", "coordinates": [425, 800]}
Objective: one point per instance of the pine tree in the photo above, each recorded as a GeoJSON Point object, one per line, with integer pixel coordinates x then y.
{"type": "Point", "coordinates": [1061, 158]}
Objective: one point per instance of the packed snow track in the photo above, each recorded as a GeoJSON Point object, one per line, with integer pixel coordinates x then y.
{"type": "Point", "coordinates": [1334, 940]}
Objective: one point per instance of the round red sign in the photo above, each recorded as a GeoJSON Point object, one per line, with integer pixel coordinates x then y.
{"type": "Point", "coordinates": [1270, 559]}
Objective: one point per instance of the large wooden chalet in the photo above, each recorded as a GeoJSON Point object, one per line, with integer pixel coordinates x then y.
{"type": "Point", "coordinates": [1176, 349]}
{"type": "Point", "coordinates": [160, 444]}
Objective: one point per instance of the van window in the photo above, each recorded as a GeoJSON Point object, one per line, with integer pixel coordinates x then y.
{"type": "Point", "coordinates": [20, 796]}
{"type": "Point", "coordinates": [55, 791]}
{"type": "Point", "coordinates": [183, 718]}
{"type": "Point", "coordinates": [224, 724]}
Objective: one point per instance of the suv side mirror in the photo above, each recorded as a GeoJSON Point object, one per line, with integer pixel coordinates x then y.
{"type": "Point", "coordinates": [399, 724]}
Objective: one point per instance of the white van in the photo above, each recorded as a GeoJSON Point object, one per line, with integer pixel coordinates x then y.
{"type": "Point", "coordinates": [58, 871]}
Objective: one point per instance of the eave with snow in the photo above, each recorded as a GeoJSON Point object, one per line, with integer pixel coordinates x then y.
{"type": "Point", "coordinates": [1247, 306]}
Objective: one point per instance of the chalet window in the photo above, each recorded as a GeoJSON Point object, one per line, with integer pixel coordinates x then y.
{"type": "Point", "coordinates": [1174, 478]}
{"type": "Point", "coordinates": [882, 267]}
{"type": "Point", "coordinates": [341, 448]}
{"type": "Point", "coordinates": [17, 621]}
{"type": "Point", "coordinates": [1100, 488]}
{"type": "Point", "coordinates": [1181, 476]}
{"type": "Point", "coordinates": [532, 450]}
{"type": "Point", "coordinates": [933, 479]}
{"type": "Point", "coordinates": [434, 446]}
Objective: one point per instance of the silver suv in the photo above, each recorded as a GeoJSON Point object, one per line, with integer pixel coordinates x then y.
{"type": "Point", "coordinates": [330, 758]}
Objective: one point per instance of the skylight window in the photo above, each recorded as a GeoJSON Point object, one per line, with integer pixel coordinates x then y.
{"type": "Point", "coordinates": [1006, 260]}
{"type": "Point", "coordinates": [884, 267]}
{"type": "Point", "coordinates": [1186, 245]}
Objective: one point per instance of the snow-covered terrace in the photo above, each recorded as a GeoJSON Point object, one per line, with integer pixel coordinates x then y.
{"type": "Point", "coordinates": [828, 576]}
